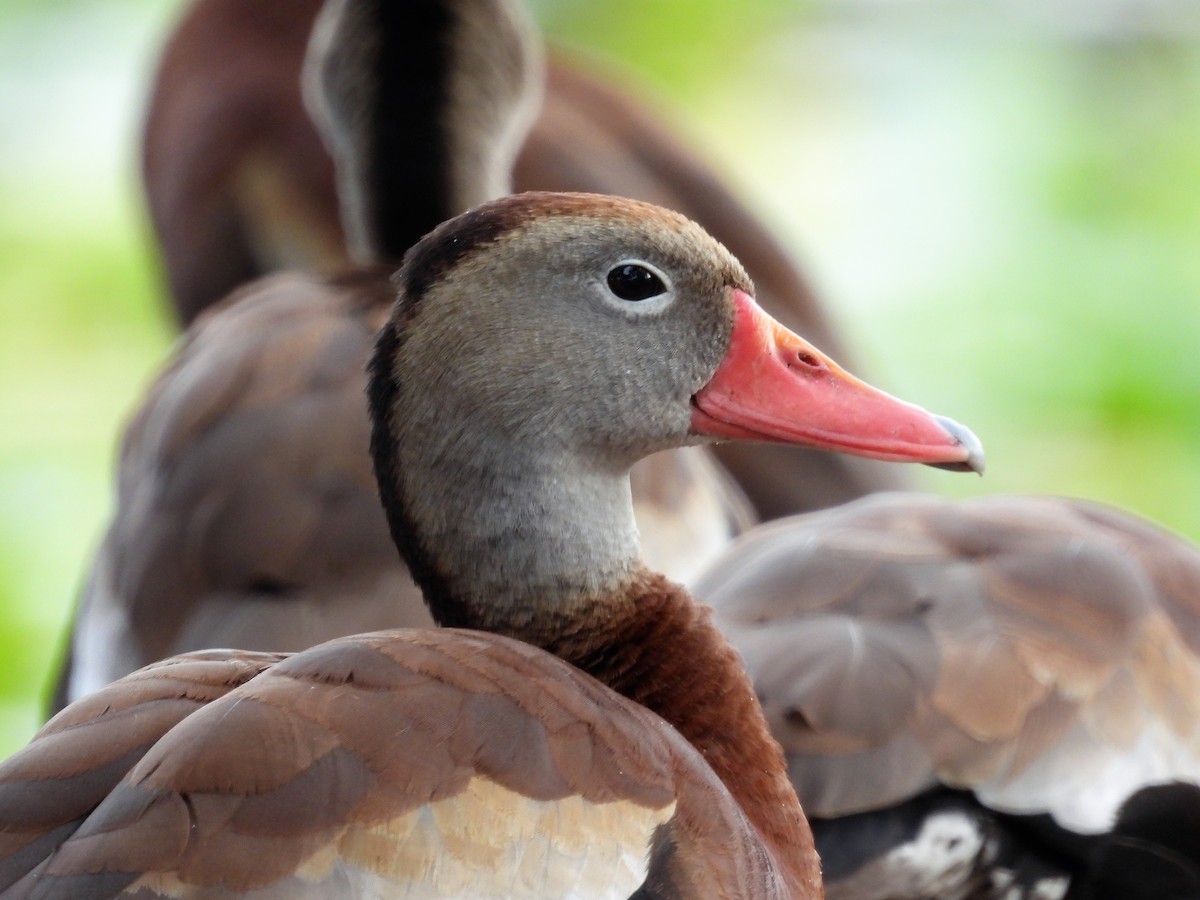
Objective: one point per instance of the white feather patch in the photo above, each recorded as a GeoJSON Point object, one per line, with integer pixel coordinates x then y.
{"type": "Point", "coordinates": [489, 842]}
{"type": "Point", "coordinates": [102, 650]}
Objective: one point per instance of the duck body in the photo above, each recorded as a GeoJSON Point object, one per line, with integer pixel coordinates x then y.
{"type": "Point", "coordinates": [968, 691]}
{"type": "Point", "coordinates": [598, 706]}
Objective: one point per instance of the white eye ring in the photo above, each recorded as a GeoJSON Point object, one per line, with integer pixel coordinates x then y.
{"type": "Point", "coordinates": [637, 287]}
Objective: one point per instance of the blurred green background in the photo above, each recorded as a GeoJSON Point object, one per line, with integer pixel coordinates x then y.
{"type": "Point", "coordinates": [1000, 202]}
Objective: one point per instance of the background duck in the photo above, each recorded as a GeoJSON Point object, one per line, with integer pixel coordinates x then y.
{"type": "Point", "coordinates": [241, 184]}
{"type": "Point", "coordinates": [969, 692]}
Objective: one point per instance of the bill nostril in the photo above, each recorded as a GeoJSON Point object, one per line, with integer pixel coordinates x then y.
{"type": "Point", "coordinates": [809, 361]}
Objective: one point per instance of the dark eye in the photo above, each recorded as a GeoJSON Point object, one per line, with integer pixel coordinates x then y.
{"type": "Point", "coordinates": [633, 282]}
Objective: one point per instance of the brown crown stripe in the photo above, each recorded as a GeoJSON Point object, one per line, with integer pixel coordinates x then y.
{"type": "Point", "coordinates": [451, 242]}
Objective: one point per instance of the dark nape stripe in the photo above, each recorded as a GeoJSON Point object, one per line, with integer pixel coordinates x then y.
{"type": "Point", "coordinates": [382, 390]}
{"type": "Point", "coordinates": [408, 181]}
{"type": "Point", "coordinates": [453, 241]}
{"type": "Point", "coordinates": [381, 396]}
{"type": "Point", "coordinates": [433, 256]}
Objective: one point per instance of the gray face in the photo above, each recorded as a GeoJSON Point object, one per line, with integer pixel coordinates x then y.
{"type": "Point", "coordinates": [533, 340]}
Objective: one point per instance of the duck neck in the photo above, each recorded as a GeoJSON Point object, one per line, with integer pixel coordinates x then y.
{"type": "Point", "coordinates": [544, 549]}
{"type": "Point", "coordinates": [517, 545]}
{"type": "Point", "coordinates": [663, 651]}
{"type": "Point", "coordinates": [423, 106]}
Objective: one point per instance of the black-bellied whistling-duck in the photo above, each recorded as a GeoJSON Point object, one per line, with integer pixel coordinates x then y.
{"type": "Point", "coordinates": [967, 691]}
{"type": "Point", "coordinates": [539, 346]}
{"type": "Point", "coordinates": [246, 510]}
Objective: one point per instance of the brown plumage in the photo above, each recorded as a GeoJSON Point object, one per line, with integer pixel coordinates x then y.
{"type": "Point", "coordinates": [474, 763]}
{"type": "Point", "coordinates": [485, 734]}
{"type": "Point", "coordinates": [234, 171]}
{"type": "Point", "coordinates": [1017, 666]}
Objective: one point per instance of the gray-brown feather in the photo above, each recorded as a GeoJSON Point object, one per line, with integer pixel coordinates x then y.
{"type": "Point", "coordinates": [1039, 653]}
{"type": "Point", "coordinates": [264, 766]}
{"type": "Point", "coordinates": [50, 787]}
{"type": "Point", "coordinates": [246, 508]}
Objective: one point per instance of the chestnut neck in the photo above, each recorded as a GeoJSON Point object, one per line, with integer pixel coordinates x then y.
{"type": "Point", "coordinates": [657, 646]}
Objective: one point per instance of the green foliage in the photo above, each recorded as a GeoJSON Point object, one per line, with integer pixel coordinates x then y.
{"type": "Point", "coordinates": [678, 45]}
{"type": "Point", "coordinates": [81, 330]}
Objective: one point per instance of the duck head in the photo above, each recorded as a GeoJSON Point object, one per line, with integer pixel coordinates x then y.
{"type": "Point", "coordinates": [543, 343]}
{"type": "Point", "coordinates": [612, 329]}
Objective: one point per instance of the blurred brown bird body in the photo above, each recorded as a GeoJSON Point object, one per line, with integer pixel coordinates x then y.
{"type": "Point", "coordinates": [1039, 655]}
